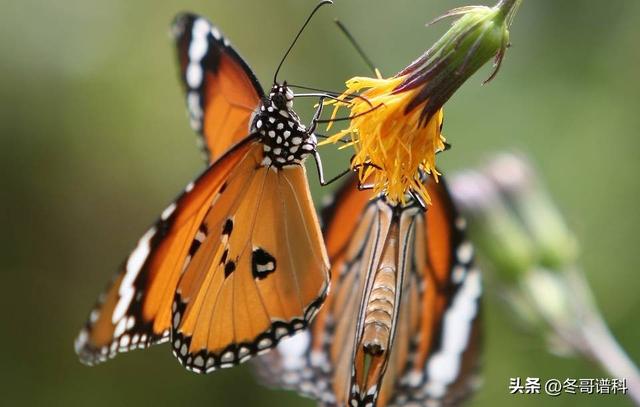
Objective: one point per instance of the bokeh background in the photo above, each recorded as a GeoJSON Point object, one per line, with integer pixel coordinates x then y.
{"type": "Point", "coordinates": [95, 142]}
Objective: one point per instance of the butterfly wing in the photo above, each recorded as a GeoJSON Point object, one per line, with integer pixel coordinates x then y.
{"type": "Point", "coordinates": [135, 309]}
{"type": "Point", "coordinates": [222, 92]}
{"type": "Point", "coordinates": [259, 274]}
{"type": "Point", "coordinates": [435, 345]}
{"type": "Point", "coordinates": [351, 228]}
{"type": "Point", "coordinates": [317, 362]}
{"type": "Point", "coordinates": [223, 269]}
{"type": "Point", "coordinates": [436, 359]}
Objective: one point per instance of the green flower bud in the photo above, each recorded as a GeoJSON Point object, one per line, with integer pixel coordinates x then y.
{"type": "Point", "coordinates": [495, 231]}
{"type": "Point", "coordinates": [555, 245]}
{"type": "Point", "coordinates": [480, 34]}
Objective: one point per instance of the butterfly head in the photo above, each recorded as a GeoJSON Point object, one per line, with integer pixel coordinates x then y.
{"type": "Point", "coordinates": [285, 139]}
{"type": "Point", "coordinates": [281, 96]}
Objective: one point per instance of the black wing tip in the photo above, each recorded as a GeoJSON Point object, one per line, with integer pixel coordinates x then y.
{"type": "Point", "coordinates": [183, 22]}
{"type": "Point", "coordinates": [184, 18]}
{"type": "Point", "coordinates": [88, 354]}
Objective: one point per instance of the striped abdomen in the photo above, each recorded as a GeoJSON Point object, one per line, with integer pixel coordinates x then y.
{"type": "Point", "coordinates": [380, 307]}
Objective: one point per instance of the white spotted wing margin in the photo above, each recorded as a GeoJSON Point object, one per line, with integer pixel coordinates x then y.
{"type": "Point", "coordinates": [135, 309]}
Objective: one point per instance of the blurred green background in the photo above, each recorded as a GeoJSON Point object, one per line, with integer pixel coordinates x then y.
{"type": "Point", "coordinates": [95, 142]}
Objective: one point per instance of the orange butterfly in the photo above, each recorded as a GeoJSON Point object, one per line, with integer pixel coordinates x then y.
{"type": "Point", "coordinates": [401, 323]}
{"type": "Point", "coordinates": [237, 262]}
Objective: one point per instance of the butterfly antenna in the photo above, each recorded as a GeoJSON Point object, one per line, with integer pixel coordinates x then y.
{"type": "Point", "coordinates": [316, 8]}
{"type": "Point", "coordinates": [355, 116]}
{"type": "Point", "coordinates": [355, 45]}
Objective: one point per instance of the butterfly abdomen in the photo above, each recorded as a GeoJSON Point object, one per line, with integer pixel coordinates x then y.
{"type": "Point", "coordinates": [380, 308]}
{"type": "Point", "coordinates": [379, 314]}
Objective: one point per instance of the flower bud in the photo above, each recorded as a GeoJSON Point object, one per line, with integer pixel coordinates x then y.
{"type": "Point", "coordinates": [496, 232]}
{"type": "Point", "coordinates": [480, 34]}
{"type": "Point", "coordinates": [396, 122]}
{"type": "Point", "coordinates": [556, 247]}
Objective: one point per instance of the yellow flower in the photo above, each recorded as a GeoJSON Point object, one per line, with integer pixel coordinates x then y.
{"type": "Point", "coordinates": [395, 123]}
{"type": "Point", "coordinates": [392, 145]}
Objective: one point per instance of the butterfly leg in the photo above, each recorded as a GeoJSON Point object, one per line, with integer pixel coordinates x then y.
{"type": "Point", "coordinates": [323, 182]}
{"type": "Point", "coordinates": [316, 155]}
{"type": "Point", "coordinates": [361, 186]}
{"type": "Point", "coordinates": [419, 200]}
{"type": "Point", "coordinates": [316, 115]}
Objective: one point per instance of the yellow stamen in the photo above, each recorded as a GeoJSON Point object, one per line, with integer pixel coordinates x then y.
{"type": "Point", "coordinates": [392, 146]}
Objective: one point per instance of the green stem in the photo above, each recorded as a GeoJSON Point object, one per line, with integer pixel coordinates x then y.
{"type": "Point", "coordinates": [598, 343]}
{"type": "Point", "coordinates": [608, 353]}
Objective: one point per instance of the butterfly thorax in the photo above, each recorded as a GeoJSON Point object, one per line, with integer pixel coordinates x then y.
{"type": "Point", "coordinates": [285, 139]}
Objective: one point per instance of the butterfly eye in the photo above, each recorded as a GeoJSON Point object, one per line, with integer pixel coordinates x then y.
{"type": "Point", "coordinates": [280, 100]}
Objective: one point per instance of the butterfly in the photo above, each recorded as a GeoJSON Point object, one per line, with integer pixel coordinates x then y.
{"type": "Point", "coordinates": [237, 262]}
{"type": "Point", "coordinates": [402, 322]}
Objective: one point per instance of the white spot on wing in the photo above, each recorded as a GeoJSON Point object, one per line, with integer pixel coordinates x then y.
{"type": "Point", "coordinates": [465, 252]}
{"type": "Point", "coordinates": [227, 357]}
{"type": "Point", "coordinates": [137, 259]}
{"type": "Point", "coordinates": [95, 314]}
{"type": "Point", "coordinates": [414, 378]}
{"type": "Point", "coordinates": [457, 274]}
{"type": "Point", "coordinates": [133, 266]}
{"type": "Point", "coordinates": [444, 366]}
{"type": "Point", "coordinates": [280, 332]}
{"type": "Point", "coordinates": [197, 50]}
{"type": "Point", "coordinates": [81, 340]}
{"type": "Point", "coordinates": [131, 321]}
{"type": "Point", "coordinates": [193, 104]}
{"type": "Point", "coordinates": [120, 328]}
{"type": "Point", "coordinates": [194, 75]}
{"type": "Point", "coordinates": [293, 350]}
{"type": "Point", "coordinates": [216, 33]}
{"type": "Point", "coordinates": [198, 46]}
{"type": "Point", "coordinates": [264, 343]}
{"type": "Point", "coordinates": [243, 351]}
{"type": "Point", "coordinates": [121, 307]}
{"type": "Point", "coordinates": [124, 341]}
